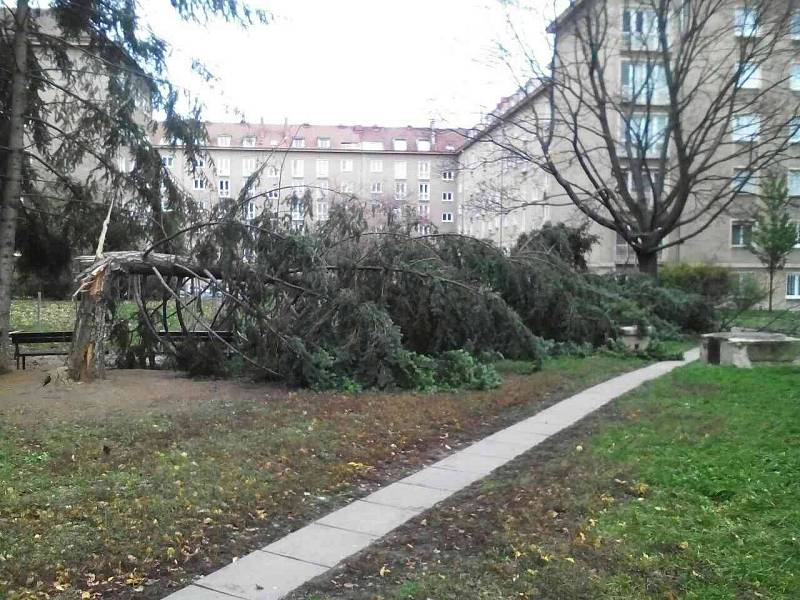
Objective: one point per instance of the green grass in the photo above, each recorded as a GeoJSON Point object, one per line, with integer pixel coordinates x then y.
{"type": "Point", "coordinates": [59, 315]}
{"type": "Point", "coordinates": [182, 493]}
{"type": "Point", "coordinates": [779, 320]}
{"type": "Point", "coordinates": [692, 492]}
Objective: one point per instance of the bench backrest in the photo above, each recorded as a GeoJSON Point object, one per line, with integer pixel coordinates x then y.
{"type": "Point", "coordinates": [40, 337]}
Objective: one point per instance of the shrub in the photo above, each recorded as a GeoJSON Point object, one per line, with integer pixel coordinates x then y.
{"type": "Point", "coordinates": [712, 282]}
{"type": "Point", "coordinates": [458, 369]}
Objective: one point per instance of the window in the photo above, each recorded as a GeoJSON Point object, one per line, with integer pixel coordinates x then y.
{"type": "Point", "coordinates": [298, 167]}
{"type": "Point", "coordinates": [273, 142]}
{"type": "Point", "coordinates": [273, 194]}
{"type": "Point", "coordinates": [748, 76]}
{"type": "Point", "coordinates": [376, 166]}
{"type": "Point", "coordinates": [377, 187]}
{"type": "Point", "coordinates": [793, 181]}
{"type": "Point", "coordinates": [322, 168]}
{"type": "Point", "coordinates": [401, 170]}
{"type": "Point", "coordinates": [298, 142]}
{"type": "Point", "coordinates": [167, 161]}
{"type": "Point", "coordinates": [424, 192]}
{"type": "Point", "coordinates": [640, 28]}
{"type": "Point", "coordinates": [644, 83]}
{"type": "Point", "coordinates": [746, 21]}
{"type": "Point", "coordinates": [272, 171]}
{"type": "Point", "coordinates": [199, 183]}
{"type": "Point", "coordinates": [249, 141]}
{"type": "Point", "coordinates": [372, 145]}
{"type": "Point", "coordinates": [424, 211]}
{"type": "Point", "coordinates": [645, 135]}
{"type": "Point", "coordinates": [651, 182]}
{"type": "Point", "coordinates": [745, 128]}
{"type": "Point", "coordinates": [323, 142]}
{"type": "Point", "coordinates": [423, 145]}
{"type": "Point", "coordinates": [793, 286]}
{"type": "Point", "coordinates": [347, 165]}
{"type": "Point", "coordinates": [251, 210]}
{"type": "Point", "coordinates": [447, 196]}
{"type": "Point", "coordinates": [322, 188]}
{"type": "Point", "coordinates": [248, 166]}
{"type": "Point", "coordinates": [347, 187]}
{"type": "Point", "coordinates": [794, 81]}
{"type": "Point", "coordinates": [400, 145]}
{"type": "Point", "coordinates": [744, 182]}
{"type": "Point", "coordinates": [448, 175]}
{"type": "Point", "coordinates": [400, 189]}
{"type": "Point", "coordinates": [797, 243]}
{"type": "Point", "coordinates": [224, 188]}
{"type": "Point", "coordinates": [794, 28]}
{"type": "Point", "coordinates": [223, 140]}
{"type": "Point", "coordinates": [224, 166]}
{"type": "Point", "coordinates": [298, 210]}
{"type": "Point", "coordinates": [741, 233]}
{"type": "Point", "coordinates": [447, 217]}
{"type": "Point", "coordinates": [424, 169]}
{"type": "Point", "coordinates": [322, 211]}
{"type": "Point", "coordinates": [794, 130]}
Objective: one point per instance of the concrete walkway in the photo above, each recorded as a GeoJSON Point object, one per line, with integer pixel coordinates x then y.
{"type": "Point", "coordinates": [275, 570]}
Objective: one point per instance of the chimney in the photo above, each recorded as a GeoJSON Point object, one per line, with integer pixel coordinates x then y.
{"type": "Point", "coordinates": [433, 134]}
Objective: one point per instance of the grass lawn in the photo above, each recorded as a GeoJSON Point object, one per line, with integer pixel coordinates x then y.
{"type": "Point", "coordinates": [779, 320]}
{"type": "Point", "coordinates": [687, 488]}
{"type": "Point", "coordinates": [59, 315]}
{"type": "Point", "coordinates": [110, 490]}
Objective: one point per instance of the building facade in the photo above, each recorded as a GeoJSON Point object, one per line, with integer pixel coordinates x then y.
{"type": "Point", "coordinates": [750, 59]}
{"type": "Point", "coordinates": [396, 172]}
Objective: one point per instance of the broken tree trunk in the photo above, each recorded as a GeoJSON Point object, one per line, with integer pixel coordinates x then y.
{"type": "Point", "coordinates": [92, 325]}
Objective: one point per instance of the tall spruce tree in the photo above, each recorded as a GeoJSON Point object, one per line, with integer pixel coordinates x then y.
{"type": "Point", "coordinates": [79, 82]}
{"type": "Point", "coordinates": [775, 233]}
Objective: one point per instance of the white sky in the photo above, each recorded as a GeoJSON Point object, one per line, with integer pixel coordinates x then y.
{"type": "Point", "coordinates": [383, 62]}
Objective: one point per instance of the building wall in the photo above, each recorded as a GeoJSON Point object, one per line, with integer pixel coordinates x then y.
{"type": "Point", "coordinates": [389, 182]}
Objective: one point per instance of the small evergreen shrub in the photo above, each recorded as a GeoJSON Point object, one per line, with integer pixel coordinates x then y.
{"type": "Point", "coordinates": [710, 281]}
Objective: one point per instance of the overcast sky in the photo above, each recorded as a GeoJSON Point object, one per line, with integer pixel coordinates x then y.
{"type": "Point", "coordinates": [358, 61]}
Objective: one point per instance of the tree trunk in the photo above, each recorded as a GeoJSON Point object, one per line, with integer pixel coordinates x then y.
{"type": "Point", "coordinates": [648, 262]}
{"type": "Point", "coordinates": [771, 287]}
{"type": "Point", "coordinates": [12, 175]}
{"type": "Point", "coordinates": [92, 327]}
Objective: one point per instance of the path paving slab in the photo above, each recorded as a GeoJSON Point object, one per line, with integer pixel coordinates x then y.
{"type": "Point", "coordinates": [442, 479]}
{"type": "Point", "coordinates": [194, 592]}
{"type": "Point", "coordinates": [261, 576]}
{"type": "Point", "coordinates": [277, 569]}
{"type": "Point", "coordinates": [365, 517]}
{"type": "Point", "coordinates": [320, 544]}
{"type": "Point", "coordinates": [471, 463]}
{"type": "Point", "coordinates": [410, 497]}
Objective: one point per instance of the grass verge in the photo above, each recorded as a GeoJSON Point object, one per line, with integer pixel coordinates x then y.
{"type": "Point", "coordinates": [133, 504]}
{"type": "Point", "coordinates": [684, 489]}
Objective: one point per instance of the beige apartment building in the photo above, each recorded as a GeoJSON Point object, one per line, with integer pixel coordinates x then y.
{"type": "Point", "coordinates": [397, 172]}
{"type": "Point", "coordinates": [765, 121]}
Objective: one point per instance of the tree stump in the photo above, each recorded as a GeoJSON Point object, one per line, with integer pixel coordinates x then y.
{"type": "Point", "coordinates": [92, 328]}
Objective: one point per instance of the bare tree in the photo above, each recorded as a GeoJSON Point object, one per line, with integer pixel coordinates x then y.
{"type": "Point", "coordinates": [78, 84]}
{"type": "Point", "coordinates": [655, 118]}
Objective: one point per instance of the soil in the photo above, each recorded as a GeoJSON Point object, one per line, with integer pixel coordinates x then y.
{"type": "Point", "coordinates": [24, 400]}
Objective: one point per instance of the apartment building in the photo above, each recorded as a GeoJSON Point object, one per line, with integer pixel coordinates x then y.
{"type": "Point", "coordinates": [750, 59]}
{"type": "Point", "coordinates": [397, 172]}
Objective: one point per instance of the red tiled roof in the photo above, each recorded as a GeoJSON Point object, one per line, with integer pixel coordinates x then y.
{"type": "Point", "coordinates": [446, 140]}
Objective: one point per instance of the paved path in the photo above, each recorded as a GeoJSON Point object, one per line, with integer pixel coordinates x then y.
{"type": "Point", "coordinates": [275, 570]}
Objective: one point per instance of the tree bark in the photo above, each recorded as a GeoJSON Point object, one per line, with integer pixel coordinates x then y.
{"type": "Point", "coordinates": [648, 262]}
{"type": "Point", "coordinates": [92, 327]}
{"type": "Point", "coordinates": [12, 174]}
{"type": "Point", "coordinates": [771, 286]}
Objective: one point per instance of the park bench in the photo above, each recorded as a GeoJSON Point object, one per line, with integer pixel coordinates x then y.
{"type": "Point", "coordinates": [743, 348]}
{"type": "Point", "coordinates": [34, 338]}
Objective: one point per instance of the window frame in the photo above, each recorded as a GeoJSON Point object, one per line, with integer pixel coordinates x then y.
{"type": "Point", "coordinates": [224, 187]}
{"type": "Point", "coordinates": [795, 293]}
{"type": "Point", "coordinates": [249, 141]}
{"type": "Point", "coordinates": [736, 130]}
{"type": "Point", "coordinates": [322, 172]}
{"type": "Point", "coordinates": [739, 29]}
{"type": "Point", "coordinates": [426, 172]}
{"type": "Point", "coordinates": [375, 165]}
{"type": "Point", "coordinates": [424, 196]}
{"type": "Point", "coordinates": [445, 214]}
{"type": "Point", "coordinates": [298, 142]}
{"type": "Point", "coordinates": [323, 143]}
{"type": "Point", "coordinates": [376, 187]}
{"type": "Point", "coordinates": [739, 222]}
{"type": "Point", "coordinates": [448, 175]}
{"type": "Point", "coordinates": [298, 172]}
{"type": "Point", "coordinates": [346, 165]}
{"type": "Point", "coordinates": [448, 193]}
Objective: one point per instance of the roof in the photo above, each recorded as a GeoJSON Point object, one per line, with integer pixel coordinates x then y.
{"type": "Point", "coordinates": [341, 137]}
{"type": "Point", "coordinates": [505, 109]}
{"type": "Point", "coordinates": [566, 14]}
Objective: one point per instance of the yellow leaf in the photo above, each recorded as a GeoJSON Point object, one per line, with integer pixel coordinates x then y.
{"type": "Point", "coordinates": [384, 571]}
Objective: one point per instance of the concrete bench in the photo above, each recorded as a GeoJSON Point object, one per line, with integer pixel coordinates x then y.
{"type": "Point", "coordinates": [743, 348]}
